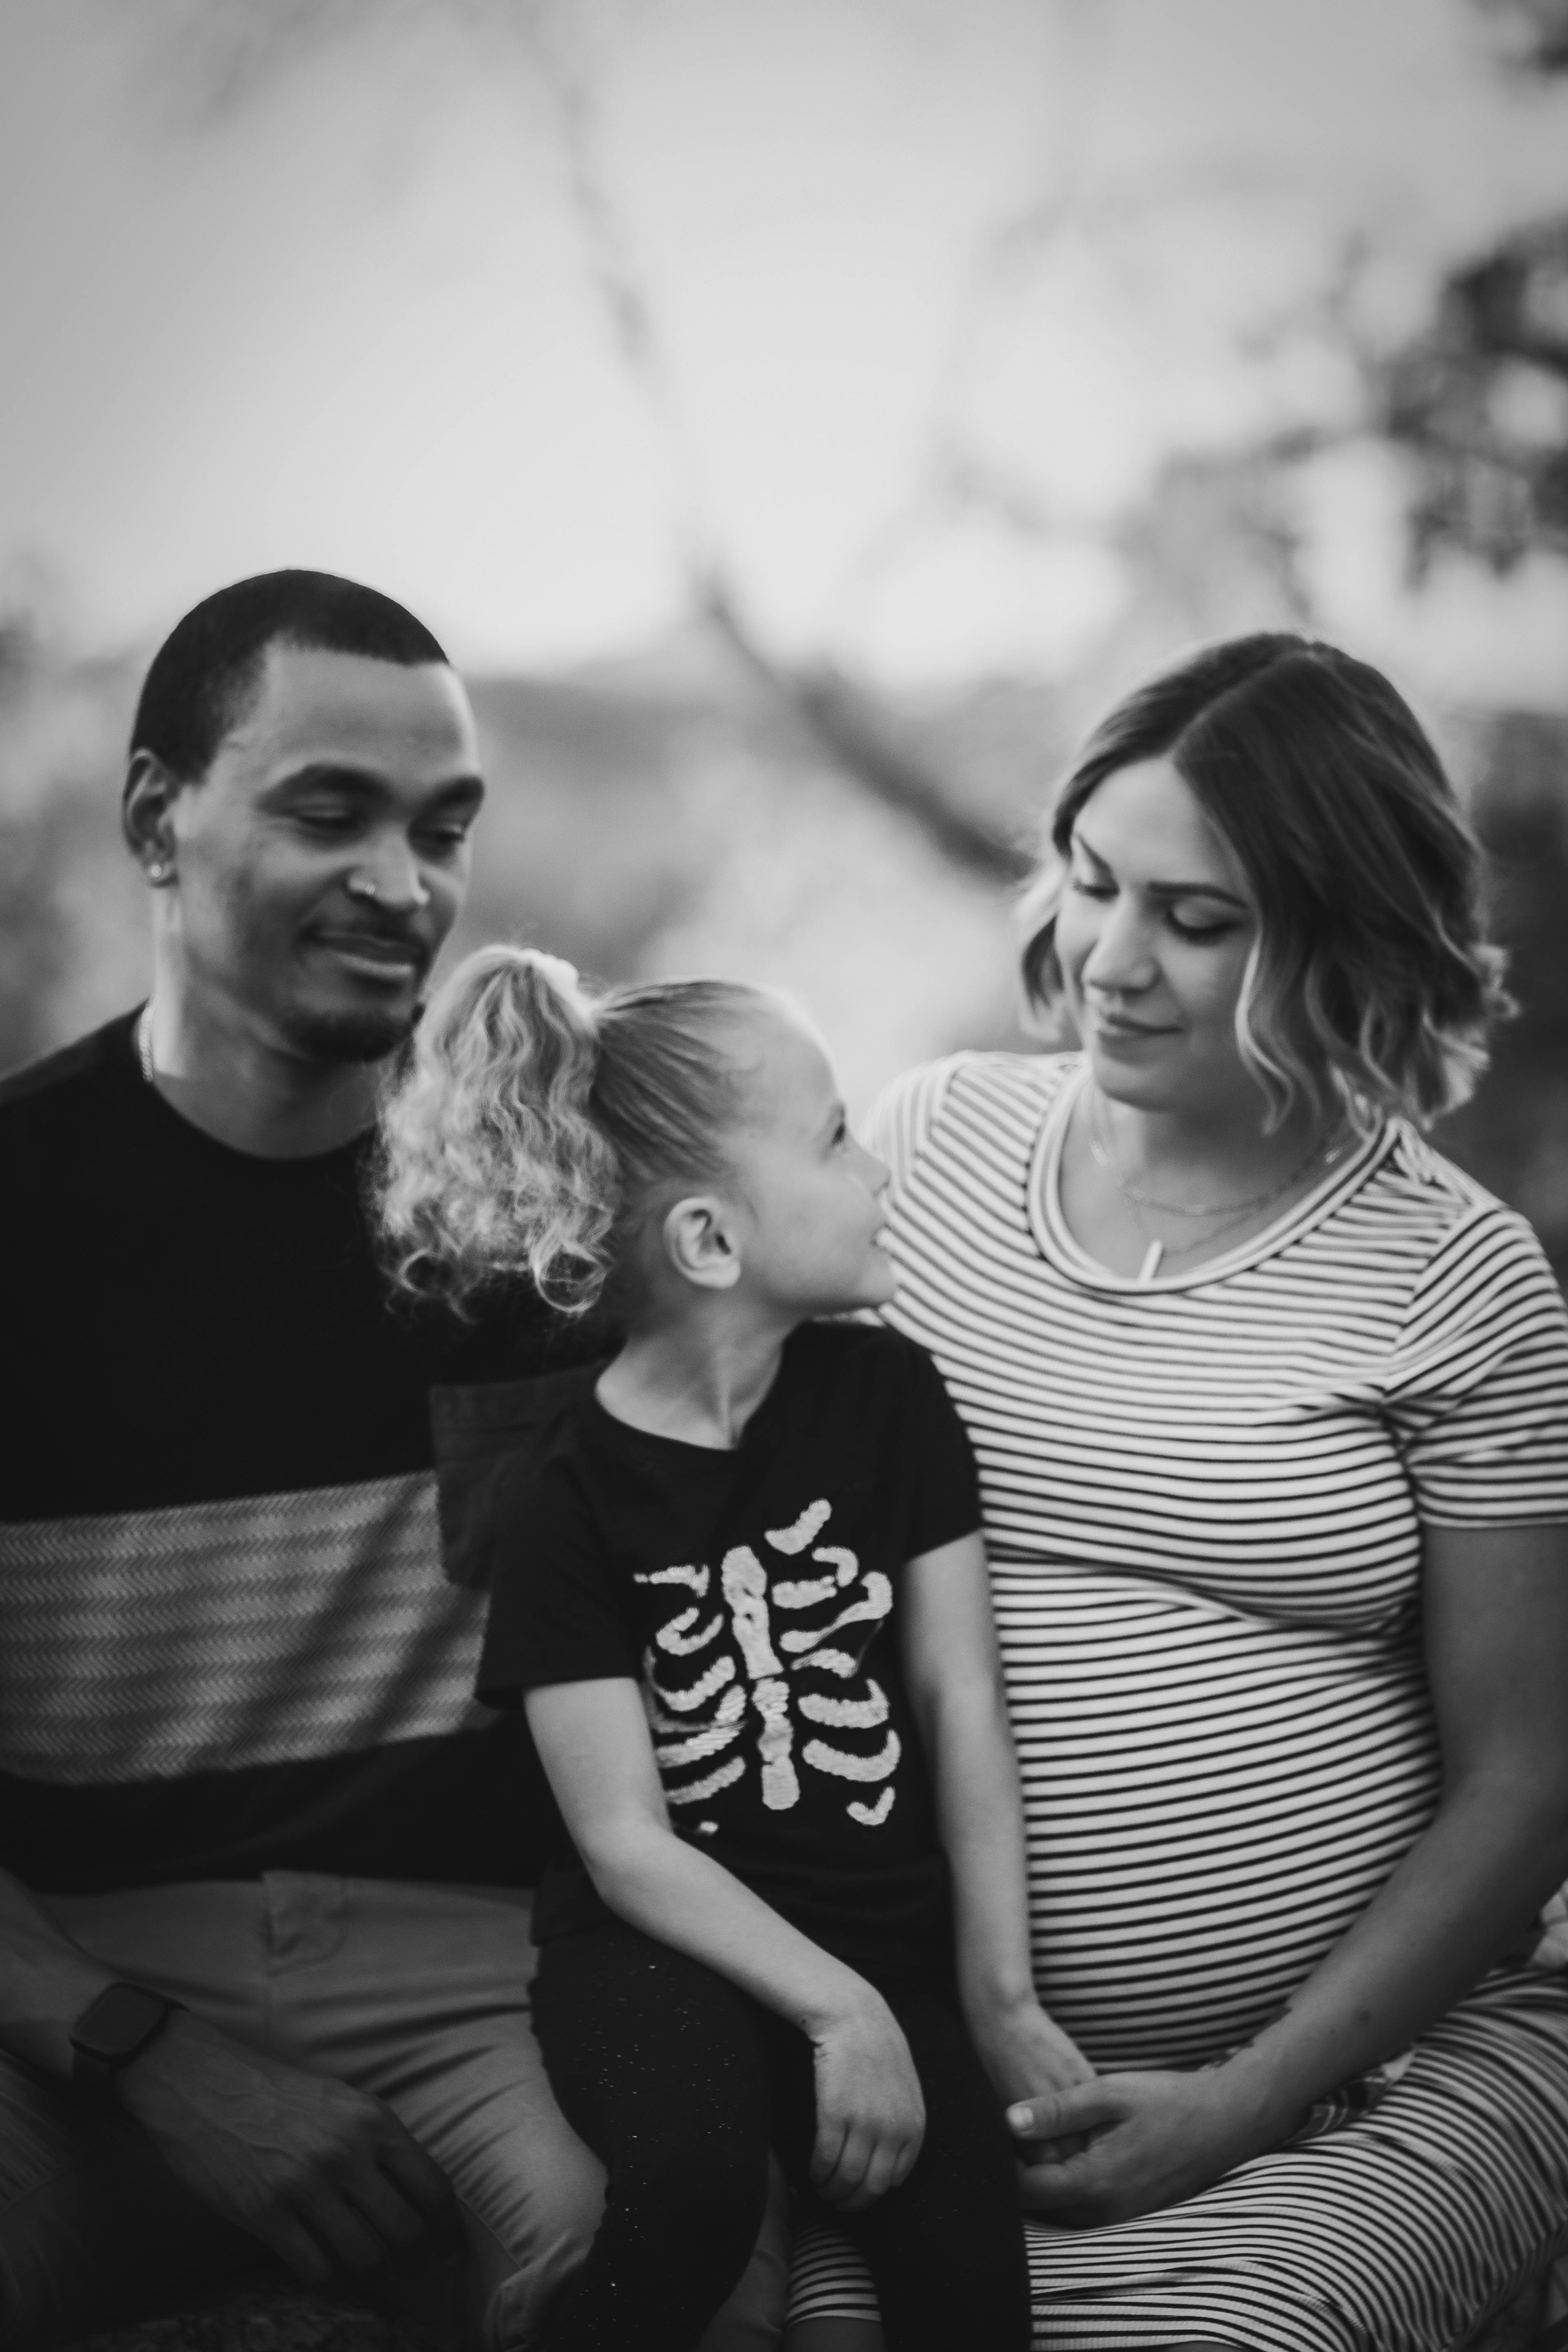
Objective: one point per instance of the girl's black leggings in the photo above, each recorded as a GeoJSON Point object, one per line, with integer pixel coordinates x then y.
{"type": "Point", "coordinates": [680, 2083]}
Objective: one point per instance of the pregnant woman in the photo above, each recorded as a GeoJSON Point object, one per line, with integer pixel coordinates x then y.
{"type": "Point", "coordinates": [1270, 1403]}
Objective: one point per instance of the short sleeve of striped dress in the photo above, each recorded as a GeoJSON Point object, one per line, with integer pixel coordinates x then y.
{"type": "Point", "coordinates": [1478, 1397]}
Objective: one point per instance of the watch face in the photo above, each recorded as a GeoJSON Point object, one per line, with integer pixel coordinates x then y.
{"type": "Point", "coordinates": [118, 2023]}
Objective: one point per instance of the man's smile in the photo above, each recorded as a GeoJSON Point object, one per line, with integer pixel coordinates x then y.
{"type": "Point", "coordinates": [376, 955]}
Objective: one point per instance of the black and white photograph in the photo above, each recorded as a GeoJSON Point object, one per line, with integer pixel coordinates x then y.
{"type": "Point", "coordinates": [783, 1139]}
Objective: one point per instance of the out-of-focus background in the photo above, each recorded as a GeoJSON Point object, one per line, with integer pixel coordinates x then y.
{"type": "Point", "coordinates": [798, 417]}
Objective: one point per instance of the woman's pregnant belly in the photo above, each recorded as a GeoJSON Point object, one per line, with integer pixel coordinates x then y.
{"type": "Point", "coordinates": [1211, 1799]}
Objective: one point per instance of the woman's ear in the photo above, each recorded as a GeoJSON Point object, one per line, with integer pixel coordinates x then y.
{"type": "Point", "coordinates": [702, 1241]}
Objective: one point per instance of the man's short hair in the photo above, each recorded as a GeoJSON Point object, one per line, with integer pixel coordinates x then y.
{"type": "Point", "coordinates": [209, 664]}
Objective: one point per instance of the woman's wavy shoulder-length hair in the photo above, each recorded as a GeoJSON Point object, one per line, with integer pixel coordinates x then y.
{"type": "Point", "coordinates": [1370, 987]}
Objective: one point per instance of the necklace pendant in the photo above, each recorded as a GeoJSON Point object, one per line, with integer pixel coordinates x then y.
{"type": "Point", "coordinates": [1150, 1266]}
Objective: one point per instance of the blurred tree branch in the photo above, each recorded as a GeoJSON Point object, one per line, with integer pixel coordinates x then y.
{"type": "Point", "coordinates": [1477, 401]}
{"type": "Point", "coordinates": [846, 719]}
{"type": "Point", "coordinates": [236, 48]}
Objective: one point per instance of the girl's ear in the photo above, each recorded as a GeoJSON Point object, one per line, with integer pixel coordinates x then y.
{"type": "Point", "coordinates": [702, 1241]}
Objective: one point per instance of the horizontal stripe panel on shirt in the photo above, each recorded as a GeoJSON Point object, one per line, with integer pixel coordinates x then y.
{"type": "Point", "coordinates": [214, 1636]}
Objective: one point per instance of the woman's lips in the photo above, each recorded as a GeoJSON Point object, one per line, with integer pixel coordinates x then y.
{"type": "Point", "coordinates": [1117, 1032]}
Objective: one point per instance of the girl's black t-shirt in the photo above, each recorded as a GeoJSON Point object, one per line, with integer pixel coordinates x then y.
{"type": "Point", "coordinates": [753, 1596]}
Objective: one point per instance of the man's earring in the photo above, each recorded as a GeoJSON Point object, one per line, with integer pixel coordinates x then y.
{"type": "Point", "coordinates": [157, 871]}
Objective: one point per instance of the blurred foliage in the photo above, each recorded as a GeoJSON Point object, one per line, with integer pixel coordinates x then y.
{"type": "Point", "coordinates": [1480, 400]}
{"type": "Point", "coordinates": [1514, 1134]}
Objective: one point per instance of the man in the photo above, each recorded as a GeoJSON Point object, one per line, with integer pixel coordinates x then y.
{"type": "Point", "coordinates": [264, 1943]}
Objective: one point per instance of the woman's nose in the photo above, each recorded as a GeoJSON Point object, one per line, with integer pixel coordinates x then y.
{"type": "Point", "coordinates": [1122, 957]}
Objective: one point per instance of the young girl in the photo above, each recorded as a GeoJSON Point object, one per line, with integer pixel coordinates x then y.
{"type": "Point", "coordinates": [749, 1616]}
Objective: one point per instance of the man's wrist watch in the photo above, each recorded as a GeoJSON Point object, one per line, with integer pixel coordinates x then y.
{"type": "Point", "coordinates": [114, 2028]}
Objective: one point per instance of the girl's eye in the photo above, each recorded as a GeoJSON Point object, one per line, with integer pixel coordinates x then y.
{"type": "Point", "coordinates": [1087, 887]}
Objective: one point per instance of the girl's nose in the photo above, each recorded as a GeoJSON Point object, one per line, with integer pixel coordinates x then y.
{"type": "Point", "coordinates": [876, 1173]}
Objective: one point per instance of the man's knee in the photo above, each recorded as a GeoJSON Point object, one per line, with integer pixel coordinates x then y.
{"type": "Point", "coordinates": [549, 2227]}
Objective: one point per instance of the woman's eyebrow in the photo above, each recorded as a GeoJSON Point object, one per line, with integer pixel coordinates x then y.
{"type": "Point", "coordinates": [1195, 890]}
{"type": "Point", "coordinates": [1165, 889]}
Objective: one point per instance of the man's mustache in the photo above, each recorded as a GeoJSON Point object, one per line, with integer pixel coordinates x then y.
{"type": "Point", "coordinates": [405, 937]}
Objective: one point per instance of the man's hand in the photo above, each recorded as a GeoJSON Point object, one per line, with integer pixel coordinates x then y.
{"type": "Point", "coordinates": [1131, 2144]}
{"type": "Point", "coordinates": [870, 2117]}
{"type": "Point", "coordinates": [325, 2176]}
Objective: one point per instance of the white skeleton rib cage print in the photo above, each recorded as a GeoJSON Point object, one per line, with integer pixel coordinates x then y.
{"type": "Point", "coordinates": [695, 1721]}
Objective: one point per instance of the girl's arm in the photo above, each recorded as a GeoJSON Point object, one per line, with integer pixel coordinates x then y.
{"type": "Point", "coordinates": [1497, 1657]}
{"type": "Point", "coordinates": [954, 1675]}
{"type": "Point", "coordinates": [593, 1738]}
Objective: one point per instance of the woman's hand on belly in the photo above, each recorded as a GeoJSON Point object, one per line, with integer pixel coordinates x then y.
{"type": "Point", "coordinates": [1129, 2144]}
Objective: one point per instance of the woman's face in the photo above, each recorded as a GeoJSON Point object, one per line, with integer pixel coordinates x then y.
{"type": "Point", "coordinates": [1155, 927]}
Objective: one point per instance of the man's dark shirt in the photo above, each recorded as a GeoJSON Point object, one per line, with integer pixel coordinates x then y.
{"type": "Point", "coordinates": [228, 1644]}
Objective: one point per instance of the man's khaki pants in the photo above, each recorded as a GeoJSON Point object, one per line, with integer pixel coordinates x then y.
{"type": "Point", "coordinates": [418, 1994]}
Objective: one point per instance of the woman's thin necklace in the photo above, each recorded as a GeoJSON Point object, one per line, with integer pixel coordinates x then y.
{"type": "Point", "coordinates": [1231, 1214]}
{"type": "Point", "coordinates": [144, 1042]}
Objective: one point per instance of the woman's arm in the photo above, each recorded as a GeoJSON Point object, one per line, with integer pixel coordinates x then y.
{"type": "Point", "coordinates": [593, 1738]}
{"type": "Point", "coordinates": [953, 1671]}
{"type": "Point", "coordinates": [1497, 1658]}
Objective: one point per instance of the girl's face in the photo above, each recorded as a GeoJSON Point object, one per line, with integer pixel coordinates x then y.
{"type": "Point", "coordinates": [1153, 937]}
{"type": "Point", "coordinates": [809, 1196]}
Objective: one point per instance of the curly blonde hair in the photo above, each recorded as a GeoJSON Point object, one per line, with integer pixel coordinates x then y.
{"type": "Point", "coordinates": [537, 1123]}
{"type": "Point", "coordinates": [1370, 987]}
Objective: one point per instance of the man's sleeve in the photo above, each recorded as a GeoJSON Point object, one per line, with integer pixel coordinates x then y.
{"type": "Point", "coordinates": [942, 1484]}
{"type": "Point", "coordinates": [556, 1614]}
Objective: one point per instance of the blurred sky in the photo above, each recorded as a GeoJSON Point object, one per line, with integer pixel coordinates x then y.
{"type": "Point", "coordinates": [286, 281]}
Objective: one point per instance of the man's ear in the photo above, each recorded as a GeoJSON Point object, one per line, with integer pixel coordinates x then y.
{"type": "Point", "coordinates": [146, 817]}
{"type": "Point", "coordinates": [702, 1241]}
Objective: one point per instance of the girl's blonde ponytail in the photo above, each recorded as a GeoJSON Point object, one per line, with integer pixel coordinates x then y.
{"type": "Point", "coordinates": [492, 1166]}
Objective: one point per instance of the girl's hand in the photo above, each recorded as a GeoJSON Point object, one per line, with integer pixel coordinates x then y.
{"type": "Point", "coordinates": [1142, 2142]}
{"type": "Point", "coordinates": [1024, 2051]}
{"type": "Point", "coordinates": [870, 2116]}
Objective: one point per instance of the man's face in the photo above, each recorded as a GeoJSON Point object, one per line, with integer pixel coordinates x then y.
{"type": "Point", "coordinates": [342, 777]}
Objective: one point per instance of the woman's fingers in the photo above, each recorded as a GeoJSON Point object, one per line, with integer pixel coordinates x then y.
{"type": "Point", "coordinates": [1065, 2114]}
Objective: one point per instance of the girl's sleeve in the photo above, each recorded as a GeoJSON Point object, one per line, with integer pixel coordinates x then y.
{"type": "Point", "coordinates": [1479, 1396]}
{"type": "Point", "coordinates": [555, 1613]}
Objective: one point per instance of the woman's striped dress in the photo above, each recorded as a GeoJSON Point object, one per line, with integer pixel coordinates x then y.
{"type": "Point", "coordinates": [1203, 1498]}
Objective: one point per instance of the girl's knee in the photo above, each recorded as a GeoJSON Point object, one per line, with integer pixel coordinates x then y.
{"type": "Point", "coordinates": [700, 2199]}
